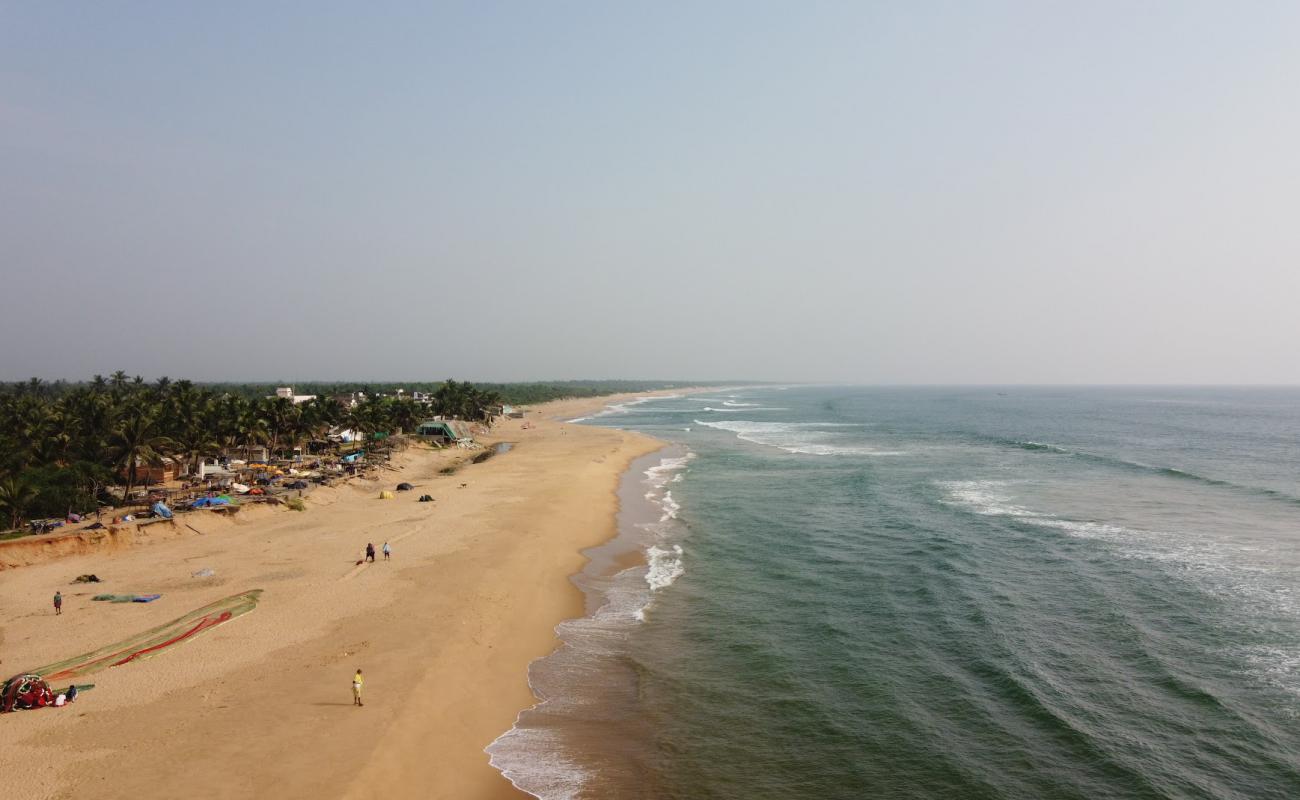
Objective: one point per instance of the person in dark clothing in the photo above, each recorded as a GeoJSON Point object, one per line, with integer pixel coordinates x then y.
{"type": "Point", "coordinates": [370, 551]}
{"type": "Point", "coordinates": [58, 603]}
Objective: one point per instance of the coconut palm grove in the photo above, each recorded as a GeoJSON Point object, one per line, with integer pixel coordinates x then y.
{"type": "Point", "coordinates": [73, 446]}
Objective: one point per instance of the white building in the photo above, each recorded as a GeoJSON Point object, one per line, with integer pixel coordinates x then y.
{"type": "Point", "coordinates": [286, 393]}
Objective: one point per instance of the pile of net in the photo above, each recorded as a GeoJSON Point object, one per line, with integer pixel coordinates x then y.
{"type": "Point", "coordinates": [154, 640]}
{"type": "Point", "coordinates": [25, 691]}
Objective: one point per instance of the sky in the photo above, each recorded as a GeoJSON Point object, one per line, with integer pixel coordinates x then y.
{"type": "Point", "coordinates": [856, 192]}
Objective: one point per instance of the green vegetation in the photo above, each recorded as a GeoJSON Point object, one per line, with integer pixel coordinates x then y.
{"type": "Point", "coordinates": [63, 444]}
{"type": "Point", "coordinates": [512, 393]}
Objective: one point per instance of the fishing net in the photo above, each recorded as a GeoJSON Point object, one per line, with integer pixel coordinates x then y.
{"type": "Point", "coordinates": [151, 642]}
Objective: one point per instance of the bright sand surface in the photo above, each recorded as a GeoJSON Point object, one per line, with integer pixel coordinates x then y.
{"type": "Point", "coordinates": [262, 706]}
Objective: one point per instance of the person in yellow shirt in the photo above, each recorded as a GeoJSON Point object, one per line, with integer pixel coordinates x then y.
{"type": "Point", "coordinates": [357, 681]}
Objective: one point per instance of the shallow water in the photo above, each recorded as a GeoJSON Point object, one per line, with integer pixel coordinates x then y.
{"type": "Point", "coordinates": [938, 593]}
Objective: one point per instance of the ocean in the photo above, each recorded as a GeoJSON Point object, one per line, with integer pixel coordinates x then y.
{"type": "Point", "coordinates": [847, 592]}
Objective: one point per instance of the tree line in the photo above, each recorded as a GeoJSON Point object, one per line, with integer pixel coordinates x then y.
{"type": "Point", "coordinates": [62, 445]}
{"type": "Point", "coordinates": [515, 393]}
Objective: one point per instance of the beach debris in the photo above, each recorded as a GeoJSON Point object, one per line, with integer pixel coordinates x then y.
{"type": "Point", "coordinates": [87, 578]}
{"type": "Point", "coordinates": [404, 487]}
{"type": "Point", "coordinates": [126, 598]}
{"type": "Point", "coordinates": [386, 495]}
{"type": "Point", "coordinates": [212, 501]}
{"type": "Point", "coordinates": [426, 498]}
{"type": "Point", "coordinates": [206, 572]}
{"type": "Point", "coordinates": [296, 504]}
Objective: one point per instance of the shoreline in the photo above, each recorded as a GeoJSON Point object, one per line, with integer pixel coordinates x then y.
{"type": "Point", "coordinates": [559, 747]}
{"type": "Point", "coordinates": [480, 579]}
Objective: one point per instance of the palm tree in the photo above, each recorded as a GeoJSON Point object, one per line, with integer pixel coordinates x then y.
{"type": "Point", "coordinates": [134, 442]}
{"type": "Point", "coordinates": [16, 496]}
{"type": "Point", "coordinates": [253, 431]}
{"type": "Point", "coordinates": [193, 443]}
{"type": "Point", "coordinates": [277, 412]}
{"type": "Point", "coordinates": [405, 414]}
{"type": "Point", "coordinates": [358, 419]}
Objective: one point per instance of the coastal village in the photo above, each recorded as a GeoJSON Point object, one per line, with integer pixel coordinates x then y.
{"type": "Point", "coordinates": [292, 445]}
{"type": "Point", "coordinates": [220, 608]}
{"type": "Point", "coordinates": [168, 448]}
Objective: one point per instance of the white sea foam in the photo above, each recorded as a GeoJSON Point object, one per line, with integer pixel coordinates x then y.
{"type": "Point", "coordinates": [984, 497]}
{"type": "Point", "coordinates": [749, 407]}
{"type": "Point", "coordinates": [738, 405]}
{"type": "Point", "coordinates": [628, 406]}
{"type": "Point", "coordinates": [1239, 575]}
{"type": "Point", "coordinates": [670, 507]}
{"type": "Point", "coordinates": [660, 474]}
{"type": "Point", "coordinates": [664, 566]}
{"type": "Point", "coordinates": [797, 437]}
{"type": "Point", "coordinates": [532, 759]}
{"type": "Point", "coordinates": [533, 753]}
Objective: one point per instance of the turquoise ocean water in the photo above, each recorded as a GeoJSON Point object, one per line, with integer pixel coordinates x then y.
{"type": "Point", "coordinates": [938, 593]}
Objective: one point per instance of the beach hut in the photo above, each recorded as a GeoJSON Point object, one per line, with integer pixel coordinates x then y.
{"type": "Point", "coordinates": [445, 431]}
{"type": "Point", "coordinates": [167, 469]}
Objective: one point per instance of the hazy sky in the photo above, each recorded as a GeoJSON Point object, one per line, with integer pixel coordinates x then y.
{"type": "Point", "coordinates": [859, 192]}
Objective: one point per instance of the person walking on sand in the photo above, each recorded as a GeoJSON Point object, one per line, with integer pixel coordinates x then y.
{"type": "Point", "coordinates": [357, 681]}
{"type": "Point", "coordinates": [370, 551]}
{"type": "Point", "coordinates": [58, 603]}
{"type": "Point", "coordinates": [388, 551]}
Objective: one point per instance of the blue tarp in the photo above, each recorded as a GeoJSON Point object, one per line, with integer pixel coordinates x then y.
{"type": "Point", "coordinates": [209, 502]}
{"type": "Point", "coordinates": [162, 510]}
{"type": "Point", "coordinates": [348, 459]}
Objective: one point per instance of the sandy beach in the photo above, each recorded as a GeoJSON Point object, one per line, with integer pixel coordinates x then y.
{"type": "Point", "coordinates": [261, 706]}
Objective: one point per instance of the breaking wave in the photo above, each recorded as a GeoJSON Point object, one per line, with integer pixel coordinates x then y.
{"type": "Point", "coordinates": [1215, 566]}
{"type": "Point", "coordinates": [665, 567]}
{"type": "Point", "coordinates": [1137, 466]}
{"type": "Point", "coordinates": [588, 671]}
{"type": "Point", "coordinates": [797, 437]}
